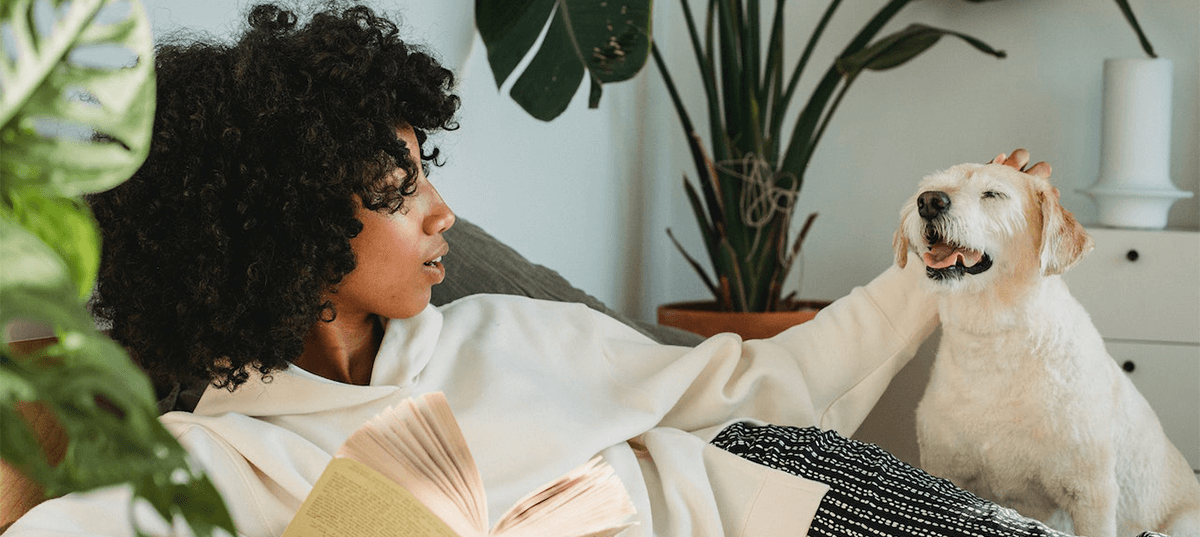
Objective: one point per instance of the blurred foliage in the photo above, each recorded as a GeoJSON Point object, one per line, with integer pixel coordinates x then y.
{"type": "Point", "coordinates": [70, 125]}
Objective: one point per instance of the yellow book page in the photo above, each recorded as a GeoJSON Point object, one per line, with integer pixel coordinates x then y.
{"type": "Point", "coordinates": [352, 500]}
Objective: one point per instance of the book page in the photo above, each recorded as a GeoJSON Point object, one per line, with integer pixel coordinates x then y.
{"type": "Point", "coordinates": [589, 501]}
{"type": "Point", "coordinates": [418, 445]}
{"type": "Point", "coordinates": [352, 500]}
{"type": "Point", "coordinates": [408, 471]}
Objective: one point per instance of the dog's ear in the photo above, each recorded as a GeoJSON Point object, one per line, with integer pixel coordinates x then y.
{"type": "Point", "coordinates": [1064, 240]}
{"type": "Point", "coordinates": [900, 245]}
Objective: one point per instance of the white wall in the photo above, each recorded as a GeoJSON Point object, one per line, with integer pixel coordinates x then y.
{"type": "Point", "coordinates": [591, 193]}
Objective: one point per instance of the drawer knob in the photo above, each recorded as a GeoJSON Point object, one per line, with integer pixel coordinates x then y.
{"type": "Point", "coordinates": [1128, 366]}
{"type": "Point", "coordinates": [1132, 255]}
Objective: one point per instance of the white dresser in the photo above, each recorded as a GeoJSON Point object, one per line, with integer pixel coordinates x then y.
{"type": "Point", "coordinates": [1142, 289]}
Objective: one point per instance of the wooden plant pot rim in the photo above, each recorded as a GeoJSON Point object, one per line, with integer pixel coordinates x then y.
{"type": "Point", "coordinates": [702, 317]}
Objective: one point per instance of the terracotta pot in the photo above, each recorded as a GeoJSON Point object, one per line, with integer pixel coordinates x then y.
{"type": "Point", "coordinates": [705, 319]}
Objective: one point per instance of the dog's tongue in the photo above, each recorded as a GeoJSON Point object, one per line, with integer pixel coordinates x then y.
{"type": "Point", "coordinates": [942, 255]}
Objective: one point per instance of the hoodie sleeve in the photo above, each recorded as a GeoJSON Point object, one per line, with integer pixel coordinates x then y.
{"type": "Point", "coordinates": [828, 372]}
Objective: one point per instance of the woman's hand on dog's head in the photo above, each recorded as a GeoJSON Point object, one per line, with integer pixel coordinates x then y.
{"type": "Point", "coordinates": [1019, 159]}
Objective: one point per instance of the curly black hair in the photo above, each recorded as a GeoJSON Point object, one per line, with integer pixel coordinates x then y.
{"type": "Point", "coordinates": [217, 251]}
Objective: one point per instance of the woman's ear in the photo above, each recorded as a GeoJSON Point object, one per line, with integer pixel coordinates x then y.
{"type": "Point", "coordinates": [1064, 240]}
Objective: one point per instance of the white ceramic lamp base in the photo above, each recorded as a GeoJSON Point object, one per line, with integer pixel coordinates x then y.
{"type": "Point", "coordinates": [1141, 208]}
{"type": "Point", "coordinates": [1134, 189]}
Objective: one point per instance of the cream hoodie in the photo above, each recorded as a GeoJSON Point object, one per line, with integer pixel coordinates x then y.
{"type": "Point", "coordinates": [541, 387]}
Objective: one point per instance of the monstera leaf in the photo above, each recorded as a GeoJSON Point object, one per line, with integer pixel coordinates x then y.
{"type": "Point", "coordinates": [608, 41]}
{"type": "Point", "coordinates": [70, 125]}
{"type": "Point", "coordinates": [43, 80]}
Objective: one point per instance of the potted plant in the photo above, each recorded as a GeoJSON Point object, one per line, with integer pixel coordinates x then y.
{"type": "Point", "coordinates": [750, 175]}
{"type": "Point", "coordinates": [80, 387]}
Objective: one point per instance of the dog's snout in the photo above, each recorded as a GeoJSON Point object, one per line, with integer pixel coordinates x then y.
{"type": "Point", "coordinates": [932, 203]}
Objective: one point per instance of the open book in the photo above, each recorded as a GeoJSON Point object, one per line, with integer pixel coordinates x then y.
{"type": "Point", "coordinates": [408, 472]}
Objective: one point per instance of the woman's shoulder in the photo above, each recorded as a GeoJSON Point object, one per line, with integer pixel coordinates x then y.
{"type": "Point", "coordinates": [533, 318]}
{"type": "Point", "coordinates": [489, 303]}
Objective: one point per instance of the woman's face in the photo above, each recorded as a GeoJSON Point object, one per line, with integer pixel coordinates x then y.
{"type": "Point", "coordinates": [398, 254]}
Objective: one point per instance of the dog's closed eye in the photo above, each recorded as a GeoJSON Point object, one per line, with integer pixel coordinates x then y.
{"type": "Point", "coordinates": [994, 194]}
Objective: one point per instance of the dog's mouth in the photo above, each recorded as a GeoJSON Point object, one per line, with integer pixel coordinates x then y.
{"type": "Point", "coordinates": [947, 260]}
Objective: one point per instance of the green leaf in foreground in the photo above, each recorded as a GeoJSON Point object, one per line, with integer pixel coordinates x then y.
{"type": "Point", "coordinates": [68, 128]}
{"type": "Point", "coordinates": [66, 226]}
{"type": "Point", "coordinates": [47, 87]}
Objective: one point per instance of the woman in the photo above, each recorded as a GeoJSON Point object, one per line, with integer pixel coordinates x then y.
{"type": "Point", "coordinates": [280, 244]}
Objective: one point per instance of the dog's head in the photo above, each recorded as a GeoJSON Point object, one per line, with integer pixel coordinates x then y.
{"type": "Point", "coordinates": [974, 223]}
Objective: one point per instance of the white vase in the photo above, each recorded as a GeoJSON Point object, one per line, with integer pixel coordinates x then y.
{"type": "Point", "coordinates": [1134, 188]}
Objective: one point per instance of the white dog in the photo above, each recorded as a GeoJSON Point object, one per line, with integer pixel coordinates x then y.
{"type": "Point", "coordinates": [1024, 405]}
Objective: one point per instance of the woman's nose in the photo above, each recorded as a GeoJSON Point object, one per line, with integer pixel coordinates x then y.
{"type": "Point", "coordinates": [440, 217]}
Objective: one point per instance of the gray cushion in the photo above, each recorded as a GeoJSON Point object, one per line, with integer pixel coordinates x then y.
{"type": "Point", "coordinates": [478, 263]}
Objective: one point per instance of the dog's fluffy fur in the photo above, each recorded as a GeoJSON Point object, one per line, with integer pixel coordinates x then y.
{"type": "Point", "coordinates": [1024, 405]}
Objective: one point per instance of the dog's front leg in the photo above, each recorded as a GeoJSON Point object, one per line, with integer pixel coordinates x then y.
{"type": "Point", "coordinates": [1092, 504]}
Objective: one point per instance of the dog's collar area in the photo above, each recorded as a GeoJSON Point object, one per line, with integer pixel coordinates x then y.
{"type": "Point", "coordinates": [958, 270]}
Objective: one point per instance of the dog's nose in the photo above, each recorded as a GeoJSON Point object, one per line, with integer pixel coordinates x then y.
{"type": "Point", "coordinates": [932, 203]}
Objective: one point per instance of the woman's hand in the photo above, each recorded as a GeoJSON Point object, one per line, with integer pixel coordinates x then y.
{"type": "Point", "coordinates": [1019, 159]}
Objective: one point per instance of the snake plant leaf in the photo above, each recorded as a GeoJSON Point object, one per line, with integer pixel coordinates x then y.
{"type": "Point", "coordinates": [727, 263]}
{"type": "Point", "coordinates": [606, 39]}
{"type": "Point", "coordinates": [900, 47]}
{"type": "Point", "coordinates": [44, 81]}
{"type": "Point", "coordinates": [696, 266]}
{"type": "Point", "coordinates": [1127, 11]}
{"type": "Point", "coordinates": [1137, 28]}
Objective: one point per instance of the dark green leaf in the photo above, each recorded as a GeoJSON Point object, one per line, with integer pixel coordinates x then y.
{"type": "Point", "coordinates": [729, 266]}
{"type": "Point", "coordinates": [606, 39]}
{"type": "Point", "coordinates": [703, 219]}
{"type": "Point", "coordinates": [509, 29]}
{"type": "Point", "coordinates": [695, 266]}
{"type": "Point", "coordinates": [1137, 28]}
{"type": "Point", "coordinates": [546, 87]}
{"type": "Point", "coordinates": [900, 47]}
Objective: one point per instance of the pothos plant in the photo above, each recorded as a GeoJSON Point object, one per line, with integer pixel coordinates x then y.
{"type": "Point", "coordinates": [749, 175]}
{"type": "Point", "coordinates": [50, 248]}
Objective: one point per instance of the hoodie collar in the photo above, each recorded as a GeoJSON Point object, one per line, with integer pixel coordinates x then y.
{"type": "Point", "coordinates": [407, 347]}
